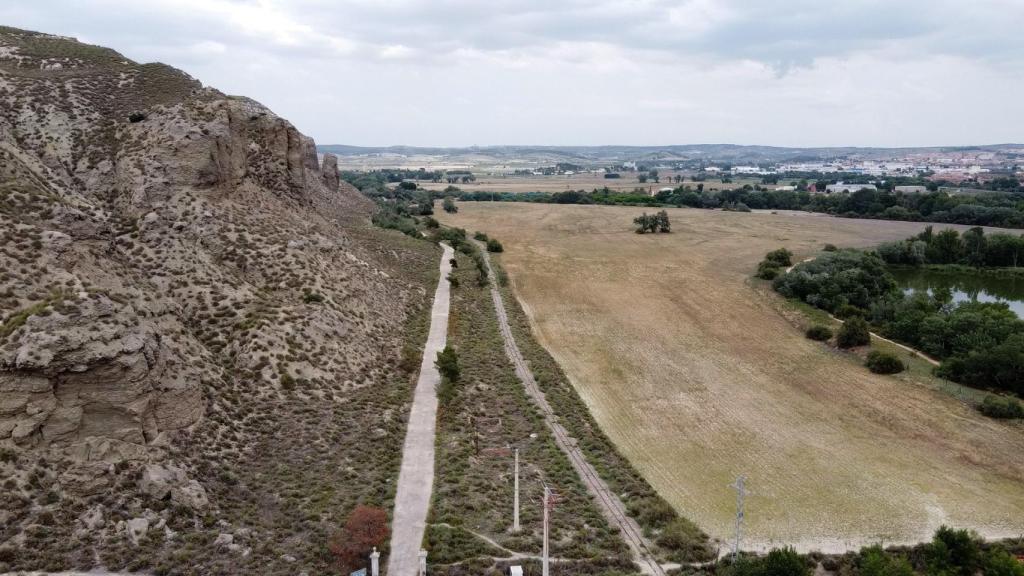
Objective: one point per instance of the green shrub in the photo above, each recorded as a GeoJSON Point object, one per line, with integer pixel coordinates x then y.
{"type": "Point", "coordinates": [448, 364]}
{"type": "Point", "coordinates": [494, 246]}
{"type": "Point", "coordinates": [819, 333]}
{"type": "Point", "coordinates": [782, 257]}
{"type": "Point", "coordinates": [884, 363]}
{"type": "Point", "coordinates": [848, 311]}
{"type": "Point", "coordinates": [853, 332]}
{"type": "Point", "coordinates": [830, 248]}
{"type": "Point", "coordinates": [480, 236]}
{"type": "Point", "coordinates": [768, 270]}
{"type": "Point", "coordinates": [312, 297]}
{"type": "Point", "coordinates": [1002, 407]}
{"type": "Point", "coordinates": [683, 538]}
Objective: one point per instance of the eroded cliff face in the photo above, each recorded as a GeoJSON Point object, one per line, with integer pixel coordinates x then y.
{"type": "Point", "coordinates": [182, 289]}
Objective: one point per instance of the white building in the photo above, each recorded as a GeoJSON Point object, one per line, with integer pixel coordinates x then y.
{"type": "Point", "coordinates": [840, 187]}
{"type": "Point", "coordinates": [911, 189]}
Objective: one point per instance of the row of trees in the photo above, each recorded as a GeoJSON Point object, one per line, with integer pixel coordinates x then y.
{"type": "Point", "coordinates": [972, 248]}
{"type": "Point", "coordinates": [995, 208]}
{"type": "Point", "coordinates": [980, 344]}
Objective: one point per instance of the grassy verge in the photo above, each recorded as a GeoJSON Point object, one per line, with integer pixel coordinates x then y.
{"type": "Point", "coordinates": [482, 417]}
{"type": "Point", "coordinates": [678, 539]}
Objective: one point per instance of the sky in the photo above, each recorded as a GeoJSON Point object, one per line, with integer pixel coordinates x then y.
{"type": "Point", "coordinates": [587, 72]}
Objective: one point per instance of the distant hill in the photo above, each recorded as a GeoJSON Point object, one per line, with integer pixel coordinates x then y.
{"type": "Point", "coordinates": [604, 154]}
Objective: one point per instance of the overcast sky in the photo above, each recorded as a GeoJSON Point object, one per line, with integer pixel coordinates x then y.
{"type": "Point", "coordinates": [645, 72]}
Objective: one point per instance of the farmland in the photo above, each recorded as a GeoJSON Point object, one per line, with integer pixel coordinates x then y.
{"type": "Point", "coordinates": [699, 374]}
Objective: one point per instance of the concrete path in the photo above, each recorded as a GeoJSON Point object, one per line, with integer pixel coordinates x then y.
{"type": "Point", "coordinates": [416, 478]}
{"type": "Point", "coordinates": [609, 503]}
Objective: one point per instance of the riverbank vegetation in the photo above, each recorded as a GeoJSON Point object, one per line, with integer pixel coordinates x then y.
{"type": "Point", "coordinates": [979, 344]}
{"type": "Point", "coordinates": [951, 552]}
{"type": "Point", "coordinates": [971, 248]}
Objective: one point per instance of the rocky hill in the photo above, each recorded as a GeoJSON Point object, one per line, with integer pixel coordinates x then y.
{"type": "Point", "coordinates": [200, 332]}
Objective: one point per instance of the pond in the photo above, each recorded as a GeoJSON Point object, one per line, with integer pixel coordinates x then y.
{"type": "Point", "coordinates": [965, 287]}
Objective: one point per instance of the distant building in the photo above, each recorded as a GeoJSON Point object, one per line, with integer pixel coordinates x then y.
{"type": "Point", "coordinates": [785, 188]}
{"type": "Point", "coordinates": [911, 189]}
{"type": "Point", "coordinates": [840, 187]}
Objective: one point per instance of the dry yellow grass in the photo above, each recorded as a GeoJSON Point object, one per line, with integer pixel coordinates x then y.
{"type": "Point", "coordinates": [698, 378]}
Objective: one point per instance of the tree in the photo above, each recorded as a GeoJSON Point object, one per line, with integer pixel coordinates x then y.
{"type": "Point", "coordinates": [449, 205]}
{"type": "Point", "coordinates": [365, 528]}
{"type": "Point", "coordinates": [954, 552]}
{"type": "Point", "coordinates": [407, 185]}
{"type": "Point", "coordinates": [448, 364]}
{"type": "Point", "coordinates": [662, 223]}
{"type": "Point", "coordinates": [873, 561]}
{"type": "Point", "coordinates": [945, 248]}
{"type": "Point", "coordinates": [853, 332]}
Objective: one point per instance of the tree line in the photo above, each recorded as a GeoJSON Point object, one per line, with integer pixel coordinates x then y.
{"type": "Point", "coordinates": [972, 248]}
{"type": "Point", "coordinates": [996, 208]}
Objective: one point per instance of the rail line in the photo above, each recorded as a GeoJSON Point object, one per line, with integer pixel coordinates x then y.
{"type": "Point", "coordinates": [609, 503]}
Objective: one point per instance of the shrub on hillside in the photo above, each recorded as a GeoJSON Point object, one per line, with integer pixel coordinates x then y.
{"type": "Point", "coordinates": [830, 248]}
{"type": "Point", "coordinates": [494, 246]}
{"type": "Point", "coordinates": [854, 332]}
{"type": "Point", "coordinates": [480, 236]}
{"type": "Point", "coordinates": [819, 332]}
{"type": "Point", "coordinates": [1002, 408]}
{"type": "Point", "coordinates": [884, 363]}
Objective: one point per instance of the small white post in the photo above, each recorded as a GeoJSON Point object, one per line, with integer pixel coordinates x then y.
{"type": "Point", "coordinates": [423, 562]}
{"type": "Point", "coordinates": [375, 562]}
{"type": "Point", "coordinates": [515, 500]}
{"type": "Point", "coordinates": [547, 506]}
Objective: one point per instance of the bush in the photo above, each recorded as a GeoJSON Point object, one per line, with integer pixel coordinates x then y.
{"type": "Point", "coordinates": [449, 205]}
{"type": "Point", "coordinates": [782, 257]}
{"type": "Point", "coordinates": [848, 311]}
{"type": "Point", "coordinates": [830, 248]}
{"type": "Point", "coordinates": [854, 332]}
{"type": "Point", "coordinates": [819, 333]}
{"type": "Point", "coordinates": [448, 364]}
{"type": "Point", "coordinates": [480, 236]}
{"type": "Point", "coordinates": [1002, 407]}
{"type": "Point", "coordinates": [884, 363]}
{"type": "Point", "coordinates": [683, 537]}
{"type": "Point", "coordinates": [136, 117]}
{"type": "Point", "coordinates": [494, 246]}
{"type": "Point", "coordinates": [768, 270]}
{"type": "Point", "coordinates": [407, 185]}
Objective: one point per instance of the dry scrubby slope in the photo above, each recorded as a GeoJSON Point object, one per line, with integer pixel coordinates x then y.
{"type": "Point", "coordinates": [697, 379]}
{"type": "Point", "coordinates": [199, 331]}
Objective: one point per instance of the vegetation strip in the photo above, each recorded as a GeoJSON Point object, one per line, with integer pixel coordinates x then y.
{"type": "Point", "coordinates": [610, 503]}
{"type": "Point", "coordinates": [415, 480]}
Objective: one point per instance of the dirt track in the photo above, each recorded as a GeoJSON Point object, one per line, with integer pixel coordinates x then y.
{"type": "Point", "coordinates": [610, 504]}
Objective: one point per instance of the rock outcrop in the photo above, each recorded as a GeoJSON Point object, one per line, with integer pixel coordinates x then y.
{"type": "Point", "coordinates": [330, 171]}
{"type": "Point", "coordinates": [198, 324]}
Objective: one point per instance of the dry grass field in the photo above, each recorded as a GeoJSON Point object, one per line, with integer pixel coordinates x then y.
{"type": "Point", "coordinates": [694, 373]}
{"type": "Point", "coordinates": [555, 183]}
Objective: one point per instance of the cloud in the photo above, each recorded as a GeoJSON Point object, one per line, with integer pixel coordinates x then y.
{"type": "Point", "coordinates": [798, 72]}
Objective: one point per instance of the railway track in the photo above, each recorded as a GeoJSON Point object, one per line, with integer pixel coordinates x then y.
{"type": "Point", "coordinates": [610, 504]}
